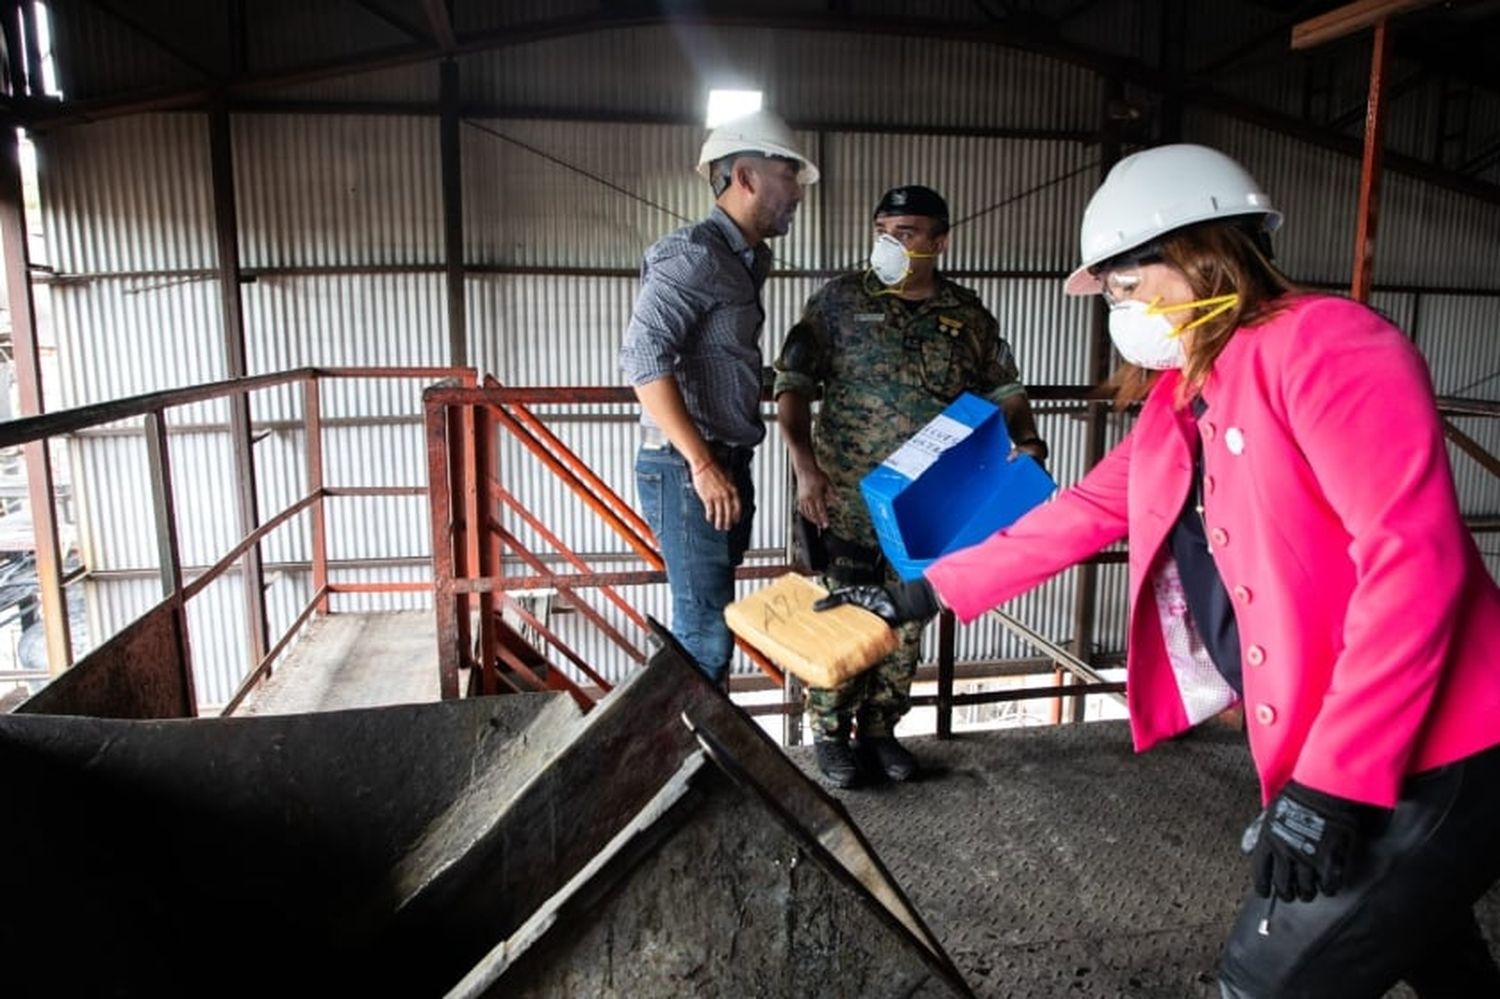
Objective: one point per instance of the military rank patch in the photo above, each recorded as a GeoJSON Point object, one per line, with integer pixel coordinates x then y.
{"type": "Point", "coordinates": [869, 317]}
{"type": "Point", "coordinates": [950, 324]}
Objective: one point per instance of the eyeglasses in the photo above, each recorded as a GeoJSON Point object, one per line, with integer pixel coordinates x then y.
{"type": "Point", "coordinates": [1121, 275]}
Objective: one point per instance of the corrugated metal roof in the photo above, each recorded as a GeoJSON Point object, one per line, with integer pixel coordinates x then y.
{"type": "Point", "coordinates": [806, 76]}
{"type": "Point", "coordinates": [104, 55]}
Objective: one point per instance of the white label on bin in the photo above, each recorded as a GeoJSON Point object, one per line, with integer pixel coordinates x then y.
{"type": "Point", "coordinates": [917, 455]}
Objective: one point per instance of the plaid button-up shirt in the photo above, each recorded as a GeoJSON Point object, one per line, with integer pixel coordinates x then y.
{"type": "Point", "coordinates": [698, 318]}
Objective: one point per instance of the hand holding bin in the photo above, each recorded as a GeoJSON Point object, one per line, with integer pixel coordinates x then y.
{"type": "Point", "coordinates": [951, 486]}
{"type": "Point", "coordinates": [822, 648]}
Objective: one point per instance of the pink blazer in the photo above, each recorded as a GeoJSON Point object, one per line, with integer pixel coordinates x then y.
{"type": "Point", "coordinates": [1369, 626]}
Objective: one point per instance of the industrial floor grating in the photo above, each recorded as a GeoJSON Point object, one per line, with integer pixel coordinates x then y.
{"type": "Point", "coordinates": [1055, 862]}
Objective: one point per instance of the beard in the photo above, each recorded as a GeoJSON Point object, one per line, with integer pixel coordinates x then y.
{"type": "Point", "coordinates": [775, 221]}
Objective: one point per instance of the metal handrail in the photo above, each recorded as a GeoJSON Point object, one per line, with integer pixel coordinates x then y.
{"type": "Point", "coordinates": [153, 407]}
{"type": "Point", "coordinates": [509, 409]}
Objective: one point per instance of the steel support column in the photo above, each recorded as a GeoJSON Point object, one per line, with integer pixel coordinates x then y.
{"type": "Point", "coordinates": [35, 454]}
{"type": "Point", "coordinates": [1086, 593]}
{"type": "Point", "coordinates": [1369, 177]}
{"type": "Point", "coordinates": [453, 211]}
{"type": "Point", "coordinates": [226, 225]}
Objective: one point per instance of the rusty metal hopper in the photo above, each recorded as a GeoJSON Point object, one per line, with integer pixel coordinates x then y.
{"type": "Point", "coordinates": [487, 846]}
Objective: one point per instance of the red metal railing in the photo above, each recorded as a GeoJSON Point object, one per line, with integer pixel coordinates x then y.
{"type": "Point", "coordinates": [468, 505]}
{"type": "Point", "coordinates": [476, 549]}
{"type": "Point", "coordinates": [154, 407]}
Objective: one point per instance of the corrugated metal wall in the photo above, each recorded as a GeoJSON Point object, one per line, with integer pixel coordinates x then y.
{"type": "Point", "coordinates": [327, 205]}
{"type": "Point", "coordinates": [341, 226]}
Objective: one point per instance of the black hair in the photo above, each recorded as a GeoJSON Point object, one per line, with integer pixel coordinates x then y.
{"type": "Point", "coordinates": [721, 170]}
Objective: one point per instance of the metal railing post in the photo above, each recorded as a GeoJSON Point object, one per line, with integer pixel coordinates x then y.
{"type": "Point", "coordinates": [168, 553]}
{"type": "Point", "coordinates": [312, 421]}
{"type": "Point", "coordinates": [947, 635]}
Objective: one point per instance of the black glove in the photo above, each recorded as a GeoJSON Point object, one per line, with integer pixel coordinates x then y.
{"type": "Point", "coordinates": [1305, 842]}
{"type": "Point", "coordinates": [894, 603]}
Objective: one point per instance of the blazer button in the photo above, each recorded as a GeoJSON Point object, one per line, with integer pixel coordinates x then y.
{"type": "Point", "coordinates": [1265, 714]}
{"type": "Point", "coordinates": [1219, 537]}
{"type": "Point", "coordinates": [1242, 594]}
{"type": "Point", "coordinates": [1255, 655]}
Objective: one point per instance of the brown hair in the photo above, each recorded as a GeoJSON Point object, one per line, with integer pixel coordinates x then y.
{"type": "Point", "coordinates": [1217, 258]}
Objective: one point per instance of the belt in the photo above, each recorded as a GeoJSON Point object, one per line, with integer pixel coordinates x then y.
{"type": "Point", "coordinates": [731, 454]}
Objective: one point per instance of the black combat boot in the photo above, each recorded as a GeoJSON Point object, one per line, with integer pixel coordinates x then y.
{"type": "Point", "coordinates": [839, 766]}
{"type": "Point", "coordinates": [888, 756]}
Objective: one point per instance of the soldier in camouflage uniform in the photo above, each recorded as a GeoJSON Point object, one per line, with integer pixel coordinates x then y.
{"type": "Point", "coordinates": [886, 352]}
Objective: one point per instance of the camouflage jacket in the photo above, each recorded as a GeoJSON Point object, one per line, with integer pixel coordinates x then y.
{"type": "Point", "coordinates": [883, 368]}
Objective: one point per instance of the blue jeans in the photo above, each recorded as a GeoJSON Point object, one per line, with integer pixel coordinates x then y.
{"type": "Point", "coordinates": [700, 559]}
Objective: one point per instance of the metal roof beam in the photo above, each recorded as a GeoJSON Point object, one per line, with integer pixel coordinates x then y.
{"type": "Point", "coordinates": [41, 115]}
{"type": "Point", "coordinates": [400, 24]}
{"type": "Point", "coordinates": [1349, 18]}
{"type": "Point", "coordinates": [140, 28]}
{"type": "Point", "coordinates": [442, 23]}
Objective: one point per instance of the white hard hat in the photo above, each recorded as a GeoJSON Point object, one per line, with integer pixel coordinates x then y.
{"type": "Point", "coordinates": [760, 132]}
{"type": "Point", "coordinates": [1153, 192]}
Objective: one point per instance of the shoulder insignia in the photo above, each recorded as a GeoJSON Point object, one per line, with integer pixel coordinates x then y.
{"type": "Point", "coordinates": [952, 325]}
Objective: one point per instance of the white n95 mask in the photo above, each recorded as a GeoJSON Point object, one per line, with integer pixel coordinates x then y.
{"type": "Point", "coordinates": [889, 260]}
{"type": "Point", "coordinates": [1144, 337]}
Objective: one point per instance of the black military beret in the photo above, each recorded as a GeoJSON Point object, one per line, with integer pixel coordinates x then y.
{"type": "Point", "coordinates": [913, 199]}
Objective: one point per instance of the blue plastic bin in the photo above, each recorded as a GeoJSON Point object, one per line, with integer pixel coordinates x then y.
{"type": "Point", "coordinates": [951, 486]}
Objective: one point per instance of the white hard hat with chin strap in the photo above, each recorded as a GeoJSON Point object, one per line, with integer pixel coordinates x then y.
{"type": "Point", "coordinates": [1151, 193]}
{"type": "Point", "coordinates": [760, 132]}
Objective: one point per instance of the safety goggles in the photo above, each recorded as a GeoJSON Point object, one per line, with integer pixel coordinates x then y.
{"type": "Point", "coordinates": [1120, 276]}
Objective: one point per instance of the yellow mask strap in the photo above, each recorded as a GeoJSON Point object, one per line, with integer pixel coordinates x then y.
{"type": "Point", "coordinates": [1217, 306]}
{"type": "Point", "coordinates": [898, 288]}
{"type": "Point", "coordinates": [884, 289]}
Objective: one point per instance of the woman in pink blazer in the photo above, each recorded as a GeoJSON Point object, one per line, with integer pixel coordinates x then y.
{"type": "Point", "coordinates": [1295, 545]}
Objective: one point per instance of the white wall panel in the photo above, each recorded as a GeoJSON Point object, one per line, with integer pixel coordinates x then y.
{"type": "Point", "coordinates": [346, 320]}
{"type": "Point", "coordinates": [119, 337]}
{"type": "Point", "coordinates": [525, 208]}
{"type": "Point", "coordinates": [337, 190]}
{"type": "Point", "coordinates": [130, 194]}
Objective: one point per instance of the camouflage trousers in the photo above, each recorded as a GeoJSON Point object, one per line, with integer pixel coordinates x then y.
{"type": "Point", "coordinates": [875, 700]}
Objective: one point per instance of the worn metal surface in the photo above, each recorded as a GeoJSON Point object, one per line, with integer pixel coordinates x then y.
{"type": "Point", "coordinates": [1057, 862]}
{"type": "Point", "coordinates": [285, 833]}
{"type": "Point", "coordinates": [728, 903]}
{"type": "Point", "coordinates": [479, 874]}
{"type": "Point", "coordinates": [766, 890]}
{"type": "Point", "coordinates": [389, 850]}
{"type": "Point", "coordinates": [139, 673]}
{"type": "Point", "coordinates": [346, 661]}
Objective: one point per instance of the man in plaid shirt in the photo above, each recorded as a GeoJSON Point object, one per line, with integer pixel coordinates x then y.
{"type": "Point", "coordinates": [692, 353]}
